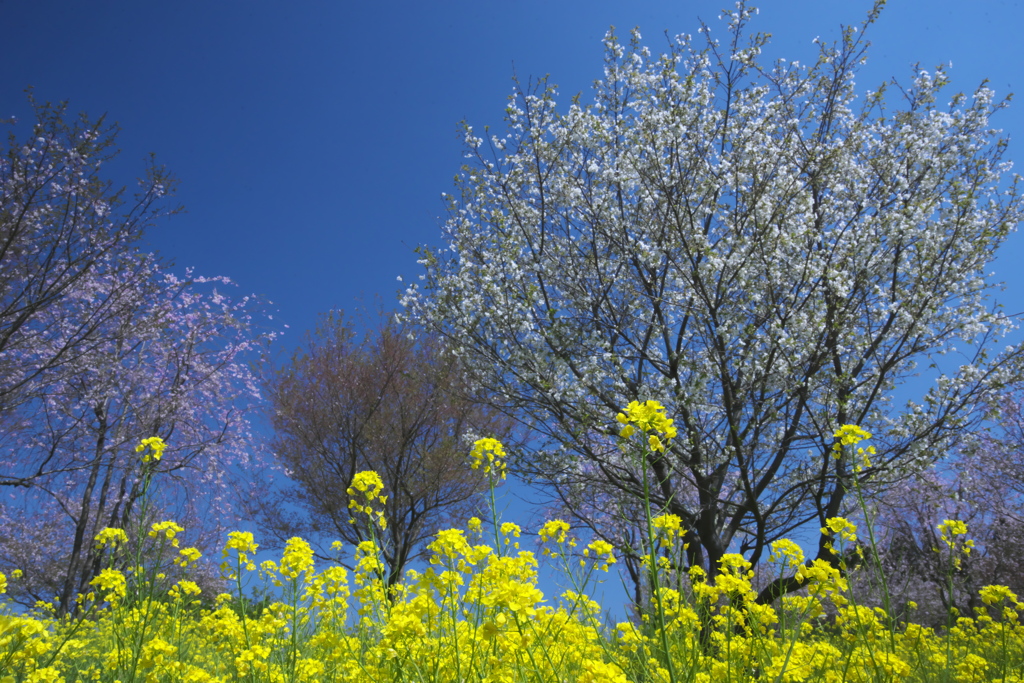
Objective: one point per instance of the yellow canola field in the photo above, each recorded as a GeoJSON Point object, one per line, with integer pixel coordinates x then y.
{"type": "Point", "coordinates": [476, 614]}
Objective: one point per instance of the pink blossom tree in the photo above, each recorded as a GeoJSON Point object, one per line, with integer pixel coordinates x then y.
{"type": "Point", "coordinates": [60, 224]}
{"type": "Point", "coordinates": [983, 486]}
{"type": "Point", "coordinates": [100, 347]}
{"type": "Point", "coordinates": [174, 365]}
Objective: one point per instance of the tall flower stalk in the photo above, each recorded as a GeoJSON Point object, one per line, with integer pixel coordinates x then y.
{"type": "Point", "coordinates": [649, 420]}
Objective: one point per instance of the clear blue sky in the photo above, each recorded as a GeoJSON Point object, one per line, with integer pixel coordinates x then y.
{"type": "Point", "coordinates": [313, 139]}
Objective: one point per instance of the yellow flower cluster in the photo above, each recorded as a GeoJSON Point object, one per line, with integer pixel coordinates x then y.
{"type": "Point", "coordinates": [851, 435]}
{"type": "Point", "coordinates": [245, 548]}
{"type": "Point", "coordinates": [511, 530]}
{"type": "Point", "coordinates": [297, 558]}
{"type": "Point", "coordinates": [556, 531]}
{"type": "Point", "coordinates": [477, 614]}
{"type": "Point", "coordinates": [839, 525]}
{"type": "Point", "coordinates": [951, 531]}
{"type": "Point", "coordinates": [296, 561]}
{"type": "Point", "coordinates": [152, 449]}
{"type": "Point", "coordinates": [168, 530]}
{"type": "Point", "coordinates": [111, 537]}
{"type": "Point", "coordinates": [649, 417]}
{"type": "Point", "coordinates": [786, 553]}
{"type": "Point", "coordinates": [187, 557]}
{"type": "Point", "coordinates": [668, 528]}
{"type": "Point", "coordinates": [451, 549]}
{"type": "Point", "coordinates": [490, 454]}
{"type": "Point", "coordinates": [603, 553]}
{"type": "Point", "coordinates": [243, 542]}
{"type": "Point", "coordinates": [368, 486]}
{"type": "Point", "coordinates": [112, 583]}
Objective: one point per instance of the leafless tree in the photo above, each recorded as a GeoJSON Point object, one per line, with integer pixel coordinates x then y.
{"type": "Point", "coordinates": [382, 402]}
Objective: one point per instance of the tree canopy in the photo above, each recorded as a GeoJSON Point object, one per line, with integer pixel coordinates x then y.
{"type": "Point", "coordinates": [761, 248]}
{"type": "Point", "coordinates": [345, 404]}
{"type": "Point", "coordinates": [63, 227]}
{"type": "Point", "coordinates": [102, 346]}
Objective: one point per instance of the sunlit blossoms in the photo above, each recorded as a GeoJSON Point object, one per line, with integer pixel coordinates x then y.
{"type": "Point", "coordinates": [112, 583]}
{"type": "Point", "coordinates": [602, 552]}
{"type": "Point", "coordinates": [649, 417]}
{"type": "Point", "coordinates": [953, 533]}
{"type": "Point", "coordinates": [296, 560]}
{"type": "Point", "coordinates": [109, 537]}
{"type": "Point", "coordinates": [766, 250]}
{"type": "Point", "coordinates": [168, 530]}
{"type": "Point", "coordinates": [786, 553]}
{"type": "Point", "coordinates": [477, 613]}
{"type": "Point", "coordinates": [244, 550]}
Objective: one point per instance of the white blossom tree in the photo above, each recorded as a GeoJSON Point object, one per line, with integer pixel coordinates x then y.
{"type": "Point", "coordinates": [759, 248]}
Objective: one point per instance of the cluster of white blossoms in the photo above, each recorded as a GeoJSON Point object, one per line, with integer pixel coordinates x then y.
{"type": "Point", "coordinates": [761, 249]}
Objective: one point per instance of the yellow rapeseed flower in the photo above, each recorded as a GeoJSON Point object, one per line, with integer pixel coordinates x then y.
{"type": "Point", "coordinates": [839, 525]}
{"type": "Point", "coordinates": [241, 542]}
{"type": "Point", "coordinates": [187, 557]}
{"type": "Point", "coordinates": [113, 583]}
{"type": "Point", "coordinates": [183, 587]}
{"type": "Point", "coordinates": [668, 527]}
{"type": "Point", "coordinates": [109, 536]}
{"type": "Point", "coordinates": [155, 446]}
{"type": "Point", "coordinates": [156, 653]}
{"type": "Point", "coordinates": [992, 595]}
{"type": "Point", "coordinates": [297, 558]}
{"type": "Point", "coordinates": [450, 547]}
{"type": "Point", "coordinates": [489, 453]}
{"type": "Point", "coordinates": [369, 485]}
{"type": "Point", "coordinates": [555, 530]}
{"type": "Point", "coordinates": [950, 529]}
{"type": "Point", "coordinates": [823, 580]}
{"type": "Point", "coordinates": [168, 529]}
{"type": "Point", "coordinates": [603, 552]}
{"type": "Point", "coordinates": [786, 553]}
{"type": "Point", "coordinates": [851, 435]}
{"type": "Point", "coordinates": [510, 530]}
{"type": "Point", "coordinates": [649, 417]}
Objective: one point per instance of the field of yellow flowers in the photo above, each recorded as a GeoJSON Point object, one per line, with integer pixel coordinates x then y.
{"type": "Point", "coordinates": [477, 615]}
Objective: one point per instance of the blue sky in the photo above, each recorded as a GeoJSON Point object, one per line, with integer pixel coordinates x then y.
{"type": "Point", "coordinates": [313, 139]}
